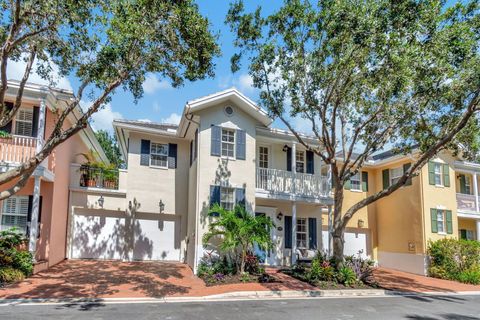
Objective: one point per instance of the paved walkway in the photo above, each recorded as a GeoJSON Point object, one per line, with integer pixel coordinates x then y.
{"type": "Point", "coordinates": [408, 282]}
{"type": "Point", "coordinates": [115, 279]}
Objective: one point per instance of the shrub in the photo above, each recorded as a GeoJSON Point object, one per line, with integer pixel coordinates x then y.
{"type": "Point", "coordinates": [23, 261]}
{"type": "Point", "coordinates": [9, 275]}
{"type": "Point", "coordinates": [454, 259]}
{"type": "Point", "coordinates": [12, 238]}
{"type": "Point", "coordinates": [347, 276]}
{"type": "Point", "coordinates": [321, 271]}
{"type": "Point", "coordinates": [252, 265]}
{"type": "Point", "coordinates": [362, 267]}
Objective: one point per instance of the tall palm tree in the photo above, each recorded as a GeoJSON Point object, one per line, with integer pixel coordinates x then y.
{"type": "Point", "coordinates": [238, 229]}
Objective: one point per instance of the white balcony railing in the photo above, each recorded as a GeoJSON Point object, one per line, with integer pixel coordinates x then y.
{"type": "Point", "coordinates": [17, 149]}
{"type": "Point", "coordinates": [300, 184]}
{"type": "Point", "coordinates": [466, 202]}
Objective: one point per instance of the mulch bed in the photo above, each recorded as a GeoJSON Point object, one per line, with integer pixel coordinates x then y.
{"type": "Point", "coordinates": [216, 280]}
{"type": "Point", "coordinates": [331, 285]}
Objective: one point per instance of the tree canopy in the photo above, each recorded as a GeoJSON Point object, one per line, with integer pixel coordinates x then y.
{"type": "Point", "coordinates": [110, 146]}
{"type": "Point", "coordinates": [367, 75]}
{"type": "Point", "coordinates": [105, 45]}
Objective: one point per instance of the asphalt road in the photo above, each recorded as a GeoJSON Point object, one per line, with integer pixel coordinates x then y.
{"type": "Point", "coordinates": [413, 307]}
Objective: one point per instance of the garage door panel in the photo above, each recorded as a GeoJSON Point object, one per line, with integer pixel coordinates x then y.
{"type": "Point", "coordinates": [355, 242]}
{"type": "Point", "coordinates": [107, 237]}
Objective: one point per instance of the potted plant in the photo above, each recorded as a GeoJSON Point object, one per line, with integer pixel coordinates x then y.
{"type": "Point", "coordinates": [110, 176]}
{"type": "Point", "coordinates": [90, 170]}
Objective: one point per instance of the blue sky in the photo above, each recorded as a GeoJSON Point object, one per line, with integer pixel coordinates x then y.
{"type": "Point", "coordinates": [161, 103]}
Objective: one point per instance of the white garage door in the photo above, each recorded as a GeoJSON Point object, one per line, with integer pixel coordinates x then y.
{"type": "Point", "coordinates": [354, 243]}
{"type": "Point", "coordinates": [114, 236]}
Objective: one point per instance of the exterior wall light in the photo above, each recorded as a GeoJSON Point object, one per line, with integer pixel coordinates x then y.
{"type": "Point", "coordinates": [285, 148]}
{"type": "Point", "coordinates": [101, 201]}
{"type": "Point", "coordinates": [279, 216]}
{"type": "Point", "coordinates": [161, 205]}
{"type": "Point", "coordinates": [361, 223]}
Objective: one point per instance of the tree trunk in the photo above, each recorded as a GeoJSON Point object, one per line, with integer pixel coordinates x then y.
{"type": "Point", "coordinates": [242, 262]}
{"type": "Point", "coordinates": [338, 229]}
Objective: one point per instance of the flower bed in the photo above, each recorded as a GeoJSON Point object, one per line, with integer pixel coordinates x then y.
{"type": "Point", "coordinates": [356, 273]}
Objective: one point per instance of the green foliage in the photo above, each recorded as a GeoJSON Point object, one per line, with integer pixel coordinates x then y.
{"type": "Point", "coordinates": [23, 261]}
{"type": "Point", "coordinates": [454, 259]}
{"type": "Point", "coordinates": [12, 254]}
{"type": "Point", "coordinates": [369, 74]}
{"type": "Point", "coordinates": [4, 134]}
{"type": "Point", "coordinates": [347, 276]}
{"type": "Point", "coordinates": [109, 145]}
{"type": "Point", "coordinates": [238, 230]}
{"type": "Point", "coordinates": [321, 271]}
{"type": "Point", "coordinates": [10, 275]}
{"type": "Point", "coordinates": [11, 238]}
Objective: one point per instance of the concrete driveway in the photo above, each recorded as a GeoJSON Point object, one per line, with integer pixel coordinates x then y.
{"type": "Point", "coordinates": [116, 279]}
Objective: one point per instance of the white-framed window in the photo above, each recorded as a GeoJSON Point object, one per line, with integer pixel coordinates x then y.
{"type": "Point", "coordinates": [466, 234]}
{"type": "Point", "coordinates": [228, 143]}
{"type": "Point", "coordinates": [300, 161]}
{"type": "Point", "coordinates": [24, 122]}
{"type": "Point", "coordinates": [356, 182]}
{"type": "Point", "coordinates": [227, 198]}
{"type": "Point", "coordinates": [441, 221]}
{"type": "Point", "coordinates": [14, 213]}
{"type": "Point", "coordinates": [263, 157]}
{"type": "Point", "coordinates": [301, 233]}
{"type": "Point", "coordinates": [159, 155]}
{"type": "Point", "coordinates": [438, 174]}
{"type": "Point", "coordinates": [395, 174]}
{"type": "Point", "coordinates": [468, 185]}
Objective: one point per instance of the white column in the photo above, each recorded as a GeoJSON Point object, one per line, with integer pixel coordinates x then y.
{"type": "Point", "coordinates": [32, 245]}
{"type": "Point", "coordinates": [475, 191]}
{"type": "Point", "coordinates": [478, 230]}
{"type": "Point", "coordinates": [294, 204]}
{"type": "Point", "coordinates": [330, 228]}
{"type": "Point", "coordinates": [41, 126]}
{"type": "Point", "coordinates": [294, 232]}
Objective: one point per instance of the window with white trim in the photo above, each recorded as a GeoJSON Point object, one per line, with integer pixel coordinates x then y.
{"type": "Point", "coordinates": [302, 233]}
{"type": "Point", "coordinates": [263, 157]}
{"type": "Point", "coordinates": [159, 155]}
{"type": "Point", "coordinates": [14, 213]}
{"type": "Point", "coordinates": [24, 122]}
{"type": "Point", "coordinates": [438, 174]}
{"type": "Point", "coordinates": [228, 143]}
{"type": "Point", "coordinates": [227, 198]}
{"type": "Point", "coordinates": [356, 182]}
{"type": "Point", "coordinates": [300, 161]}
{"type": "Point", "coordinates": [441, 221]}
{"type": "Point", "coordinates": [468, 185]}
{"type": "Point", "coordinates": [395, 174]}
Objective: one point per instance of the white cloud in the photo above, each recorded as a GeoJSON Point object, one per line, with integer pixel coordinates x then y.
{"type": "Point", "coordinates": [103, 118]}
{"type": "Point", "coordinates": [174, 118]}
{"type": "Point", "coordinates": [243, 82]}
{"type": "Point", "coordinates": [152, 84]}
{"type": "Point", "coordinates": [16, 69]}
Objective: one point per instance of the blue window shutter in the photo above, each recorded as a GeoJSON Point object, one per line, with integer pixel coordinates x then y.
{"type": "Point", "coordinates": [214, 195]}
{"type": "Point", "coordinates": [406, 167]}
{"type": "Point", "coordinates": [216, 142]}
{"type": "Point", "coordinates": [36, 115]}
{"type": "Point", "coordinates": [240, 197]}
{"type": "Point", "coordinates": [241, 145]}
{"type": "Point", "coordinates": [312, 233]}
{"type": "Point", "coordinates": [289, 159]}
{"type": "Point", "coordinates": [288, 232]}
{"type": "Point", "coordinates": [195, 146]}
{"type": "Point", "coordinates": [310, 162]}
{"type": "Point", "coordinates": [172, 155]}
{"type": "Point", "coordinates": [145, 153]}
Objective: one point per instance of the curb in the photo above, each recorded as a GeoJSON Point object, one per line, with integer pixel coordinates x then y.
{"type": "Point", "coordinates": [239, 296]}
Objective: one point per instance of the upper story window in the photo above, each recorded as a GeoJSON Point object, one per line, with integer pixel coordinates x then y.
{"type": "Point", "coordinates": [15, 213]}
{"type": "Point", "coordinates": [300, 161]}
{"type": "Point", "coordinates": [228, 143]}
{"type": "Point", "coordinates": [227, 198]}
{"type": "Point", "coordinates": [438, 174]}
{"type": "Point", "coordinates": [263, 157]}
{"type": "Point", "coordinates": [24, 122]}
{"type": "Point", "coordinates": [356, 182]}
{"type": "Point", "coordinates": [395, 175]}
{"type": "Point", "coordinates": [159, 155]}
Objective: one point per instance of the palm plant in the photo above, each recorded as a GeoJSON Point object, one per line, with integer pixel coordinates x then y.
{"type": "Point", "coordinates": [238, 229]}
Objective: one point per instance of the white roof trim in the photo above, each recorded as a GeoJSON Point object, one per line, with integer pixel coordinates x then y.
{"type": "Point", "coordinates": [236, 96]}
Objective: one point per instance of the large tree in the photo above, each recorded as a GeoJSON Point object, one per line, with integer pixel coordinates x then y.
{"type": "Point", "coordinates": [367, 75]}
{"type": "Point", "coordinates": [104, 45]}
{"type": "Point", "coordinates": [109, 144]}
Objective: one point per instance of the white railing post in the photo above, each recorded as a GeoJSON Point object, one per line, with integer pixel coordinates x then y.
{"type": "Point", "coordinates": [475, 191]}
{"type": "Point", "coordinates": [32, 246]}
{"type": "Point", "coordinates": [41, 127]}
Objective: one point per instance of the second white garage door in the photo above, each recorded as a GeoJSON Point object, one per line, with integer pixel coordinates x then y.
{"type": "Point", "coordinates": [101, 234]}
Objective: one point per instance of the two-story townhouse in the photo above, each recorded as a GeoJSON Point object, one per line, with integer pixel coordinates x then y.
{"type": "Point", "coordinates": [223, 151]}
{"type": "Point", "coordinates": [40, 208]}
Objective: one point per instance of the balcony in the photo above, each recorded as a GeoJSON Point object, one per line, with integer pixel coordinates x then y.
{"type": "Point", "coordinates": [85, 177]}
{"type": "Point", "coordinates": [17, 149]}
{"type": "Point", "coordinates": [275, 183]}
{"type": "Point", "coordinates": [466, 202]}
